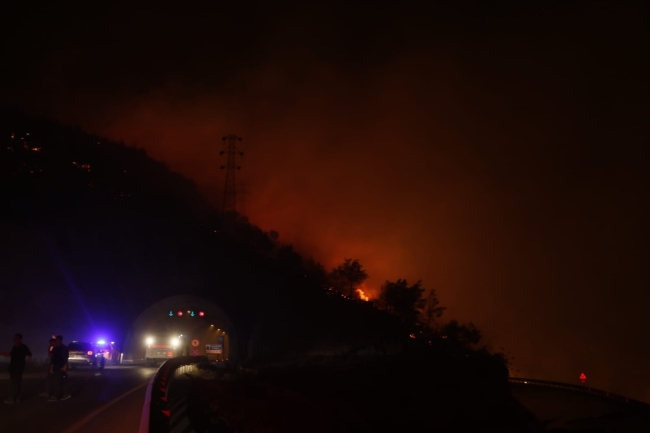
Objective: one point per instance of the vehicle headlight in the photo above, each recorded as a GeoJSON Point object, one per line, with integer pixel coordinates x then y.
{"type": "Point", "coordinates": [149, 340]}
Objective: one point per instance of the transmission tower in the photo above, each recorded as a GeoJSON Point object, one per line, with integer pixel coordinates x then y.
{"type": "Point", "coordinates": [230, 193]}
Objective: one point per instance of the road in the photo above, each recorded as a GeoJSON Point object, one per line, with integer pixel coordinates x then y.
{"type": "Point", "coordinates": [107, 401]}
{"type": "Point", "coordinates": [112, 400]}
{"type": "Point", "coordinates": [571, 409]}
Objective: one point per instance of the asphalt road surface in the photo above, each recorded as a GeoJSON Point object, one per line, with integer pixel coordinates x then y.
{"type": "Point", "coordinates": [106, 401]}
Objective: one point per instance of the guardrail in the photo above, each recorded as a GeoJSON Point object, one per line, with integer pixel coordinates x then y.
{"type": "Point", "coordinates": [157, 409]}
{"type": "Point", "coordinates": [580, 389]}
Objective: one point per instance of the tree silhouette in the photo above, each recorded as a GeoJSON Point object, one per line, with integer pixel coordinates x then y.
{"type": "Point", "coordinates": [402, 300]}
{"type": "Point", "coordinates": [347, 277]}
{"type": "Point", "coordinates": [432, 308]}
{"type": "Point", "coordinates": [466, 335]}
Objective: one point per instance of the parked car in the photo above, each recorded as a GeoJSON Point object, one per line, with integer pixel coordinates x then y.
{"type": "Point", "coordinates": [82, 354]}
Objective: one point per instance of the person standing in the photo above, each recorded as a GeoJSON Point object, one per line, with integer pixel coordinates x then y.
{"type": "Point", "coordinates": [46, 393]}
{"type": "Point", "coordinates": [66, 352]}
{"type": "Point", "coordinates": [51, 347]}
{"type": "Point", "coordinates": [19, 354]}
{"type": "Point", "coordinates": [58, 370]}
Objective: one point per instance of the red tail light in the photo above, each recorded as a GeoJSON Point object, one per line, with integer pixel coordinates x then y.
{"type": "Point", "coordinates": [90, 352]}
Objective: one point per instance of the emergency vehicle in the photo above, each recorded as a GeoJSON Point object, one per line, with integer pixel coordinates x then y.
{"type": "Point", "coordinates": [161, 347]}
{"type": "Point", "coordinates": [107, 352]}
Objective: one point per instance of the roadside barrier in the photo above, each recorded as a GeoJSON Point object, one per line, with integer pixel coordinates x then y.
{"type": "Point", "coordinates": [165, 411]}
{"type": "Point", "coordinates": [580, 389]}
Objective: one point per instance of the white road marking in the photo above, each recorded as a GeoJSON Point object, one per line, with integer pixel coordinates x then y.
{"type": "Point", "coordinates": [93, 414]}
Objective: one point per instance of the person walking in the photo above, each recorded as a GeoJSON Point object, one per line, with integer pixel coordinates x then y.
{"type": "Point", "coordinates": [19, 354]}
{"type": "Point", "coordinates": [58, 370]}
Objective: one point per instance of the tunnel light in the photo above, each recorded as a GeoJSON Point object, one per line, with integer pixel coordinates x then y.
{"type": "Point", "coordinates": [149, 340]}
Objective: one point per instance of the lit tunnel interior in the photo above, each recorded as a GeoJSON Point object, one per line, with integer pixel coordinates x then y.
{"type": "Point", "coordinates": [195, 325]}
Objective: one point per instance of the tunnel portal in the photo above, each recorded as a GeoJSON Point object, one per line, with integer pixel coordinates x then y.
{"type": "Point", "coordinates": [181, 325]}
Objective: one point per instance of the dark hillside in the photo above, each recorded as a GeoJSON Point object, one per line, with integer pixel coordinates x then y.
{"type": "Point", "coordinates": [100, 228]}
{"type": "Point", "coordinates": [94, 232]}
{"type": "Point", "coordinates": [43, 157]}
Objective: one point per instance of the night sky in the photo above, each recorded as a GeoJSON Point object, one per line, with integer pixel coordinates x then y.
{"type": "Point", "coordinates": [497, 153]}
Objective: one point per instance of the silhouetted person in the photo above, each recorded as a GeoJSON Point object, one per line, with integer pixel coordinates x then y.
{"type": "Point", "coordinates": [46, 393]}
{"type": "Point", "coordinates": [66, 352]}
{"type": "Point", "coordinates": [19, 355]}
{"type": "Point", "coordinates": [58, 370]}
{"type": "Point", "coordinates": [50, 348]}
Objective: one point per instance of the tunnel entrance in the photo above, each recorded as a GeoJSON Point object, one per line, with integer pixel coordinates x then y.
{"type": "Point", "coordinates": [181, 325]}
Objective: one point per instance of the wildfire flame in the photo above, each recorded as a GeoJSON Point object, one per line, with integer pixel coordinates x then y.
{"type": "Point", "coordinates": [363, 295]}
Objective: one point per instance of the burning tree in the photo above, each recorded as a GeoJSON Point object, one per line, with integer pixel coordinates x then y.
{"type": "Point", "coordinates": [347, 277]}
